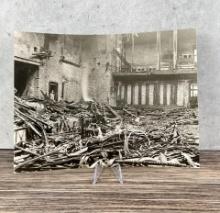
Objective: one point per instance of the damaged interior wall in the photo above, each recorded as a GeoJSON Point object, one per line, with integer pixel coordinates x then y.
{"type": "Point", "coordinates": [26, 72]}
{"type": "Point", "coordinates": [149, 46]}
{"type": "Point", "coordinates": [99, 62]}
{"type": "Point", "coordinates": [63, 67]}
{"type": "Point", "coordinates": [59, 72]}
{"type": "Point", "coordinates": [163, 69]}
{"type": "Point", "coordinates": [71, 59]}
{"type": "Point", "coordinates": [25, 44]}
{"type": "Point", "coordinates": [186, 48]}
{"type": "Point", "coordinates": [145, 49]}
{"type": "Point", "coordinates": [77, 67]}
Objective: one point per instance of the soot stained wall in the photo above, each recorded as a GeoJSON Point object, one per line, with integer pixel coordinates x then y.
{"type": "Point", "coordinates": [52, 69]}
{"type": "Point", "coordinates": [97, 59]}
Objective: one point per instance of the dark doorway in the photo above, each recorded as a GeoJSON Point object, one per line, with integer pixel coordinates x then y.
{"type": "Point", "coordinates": [53, 89]}
{"type": "Point", "coordinates": [24, 78]}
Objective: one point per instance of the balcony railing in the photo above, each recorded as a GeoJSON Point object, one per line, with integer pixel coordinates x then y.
{"type": "Point", "coordinates": [164, 67]}
{"type": "Point", "coordinates": [184, 63]}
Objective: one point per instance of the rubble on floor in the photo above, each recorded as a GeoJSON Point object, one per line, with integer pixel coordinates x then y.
{"type": "Point", "coordinates": [71, 135]}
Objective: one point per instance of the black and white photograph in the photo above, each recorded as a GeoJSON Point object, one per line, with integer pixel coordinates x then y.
{"type": "Point", "coordinates": [111, 100]}
{"type": "Point", "coordinates": [110, 106]}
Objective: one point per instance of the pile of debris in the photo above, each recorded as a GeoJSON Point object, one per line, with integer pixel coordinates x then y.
{"type": "Point", "coordinates": [71, 135]}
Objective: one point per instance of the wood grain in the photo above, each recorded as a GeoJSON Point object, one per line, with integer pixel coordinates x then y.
{"type": "Point", "coordinates": [145, 189]}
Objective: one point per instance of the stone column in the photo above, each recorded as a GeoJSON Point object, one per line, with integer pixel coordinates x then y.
{"type": "Point", "coordinates": [174, 49]}
{"type": "Point", "coordinates": [158, 44]}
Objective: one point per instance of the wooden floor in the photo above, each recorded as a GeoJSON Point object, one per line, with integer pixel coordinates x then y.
{"type": "Point", "coordinates": [144, 190]}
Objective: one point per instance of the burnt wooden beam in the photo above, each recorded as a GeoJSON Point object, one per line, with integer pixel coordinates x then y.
{"type": "Point", "coordinates": [63, 60]}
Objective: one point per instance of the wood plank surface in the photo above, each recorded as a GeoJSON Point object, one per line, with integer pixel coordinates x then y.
{"type": "Point", "coordinates": [145, 189]}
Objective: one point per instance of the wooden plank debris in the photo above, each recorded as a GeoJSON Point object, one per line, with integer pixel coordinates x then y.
{"type": "Point", "coordinates": [72, 135]}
